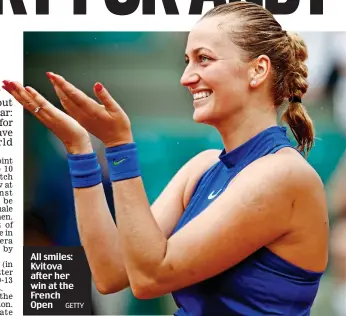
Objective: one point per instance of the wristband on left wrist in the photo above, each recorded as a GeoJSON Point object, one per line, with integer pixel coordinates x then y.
{"type": "Point", "coordinates": [123, 162]}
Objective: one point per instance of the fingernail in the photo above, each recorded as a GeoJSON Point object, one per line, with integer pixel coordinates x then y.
{"type": "Point", "coordinates": [98, 87]}
{"type": "Point", "coordinates": [50, 75]}
{"type": "Point", "coordinates": [9, 85]}
{"type": "Point", "coordinates": [5, 88]}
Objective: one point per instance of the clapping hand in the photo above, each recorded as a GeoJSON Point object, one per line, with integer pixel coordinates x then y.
{"type": "Point", "coordinates": [105, 120]}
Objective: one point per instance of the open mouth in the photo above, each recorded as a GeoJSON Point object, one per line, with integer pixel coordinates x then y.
{"type": "Point", "coordinates": [202, 95]}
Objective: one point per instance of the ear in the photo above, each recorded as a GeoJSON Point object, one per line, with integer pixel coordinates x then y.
{"type": "Point", "coordinates": [259, 70]}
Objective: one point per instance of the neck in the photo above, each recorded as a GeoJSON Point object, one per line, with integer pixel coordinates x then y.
{"type": "Point", "coordinates": [238, 129]}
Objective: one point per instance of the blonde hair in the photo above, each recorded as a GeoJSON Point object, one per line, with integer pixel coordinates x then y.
{"type": "Point", "coordinates": [261, 34]}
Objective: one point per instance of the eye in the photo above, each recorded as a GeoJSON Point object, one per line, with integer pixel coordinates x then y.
{"type": "Point", "coordinates": [204, 59]}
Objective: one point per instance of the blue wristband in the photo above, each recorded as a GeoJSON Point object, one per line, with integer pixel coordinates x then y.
{"type": "Point", "coordinates": [85, 170]}
{"type": "Point", "coordinates": [123, 162]}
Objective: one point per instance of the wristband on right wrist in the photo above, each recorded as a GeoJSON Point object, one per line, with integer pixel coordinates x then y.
{"type": "Point", "coordinates": [85, 170]}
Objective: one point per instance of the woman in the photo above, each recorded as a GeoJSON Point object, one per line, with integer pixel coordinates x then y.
{"type": "Point", "coordinates": [241, 232]}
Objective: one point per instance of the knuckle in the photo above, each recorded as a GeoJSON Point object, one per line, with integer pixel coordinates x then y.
{"type": "Point", "coordinates": [72, 94]}
{"type": "Point", "coordinates": [28, 103]}
{"type": "Point", "coordinates": [64, 99]}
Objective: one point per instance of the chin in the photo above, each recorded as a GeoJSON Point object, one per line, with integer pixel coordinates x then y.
{"type": "Point", "coordinates": [204, 110]}
{"type": "Point", "coordinates": [203, 117]}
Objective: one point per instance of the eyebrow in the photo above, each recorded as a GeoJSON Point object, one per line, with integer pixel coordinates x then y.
{"type": "Point", "coordinates": [197, 50]}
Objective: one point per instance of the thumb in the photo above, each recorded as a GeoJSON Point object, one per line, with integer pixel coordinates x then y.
{"type": "Point", "coordinates": [106, 99]}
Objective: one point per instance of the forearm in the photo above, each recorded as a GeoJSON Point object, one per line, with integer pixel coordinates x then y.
{"type": "Point", "coordinates": [99, 237]}
{"type": "Point", "coordinates": [142, 242]}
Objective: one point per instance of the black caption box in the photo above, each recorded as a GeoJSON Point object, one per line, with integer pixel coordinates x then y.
{"type": "Point", "coordinates": [56, 281]}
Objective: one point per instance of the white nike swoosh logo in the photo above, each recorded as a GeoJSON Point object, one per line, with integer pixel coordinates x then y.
{"type": "Point", "coordinates": [212, 194]}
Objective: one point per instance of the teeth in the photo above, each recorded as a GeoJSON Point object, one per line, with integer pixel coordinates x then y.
{"type": "Point", "coordinates": [201, 95]}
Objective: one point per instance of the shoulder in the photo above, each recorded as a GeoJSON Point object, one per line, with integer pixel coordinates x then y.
{"type": "Point", "coordinates": [283, 178]}
{"type": "Point", "coordinates": [206, 158]}
{"type": "Point", "coordinates": [200, 163]}
{"type": "Point", "coordinates": [286, 167]}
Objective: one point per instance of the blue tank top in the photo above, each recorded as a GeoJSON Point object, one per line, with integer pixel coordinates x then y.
{"type": "Point", "coordinates": [263, 283]}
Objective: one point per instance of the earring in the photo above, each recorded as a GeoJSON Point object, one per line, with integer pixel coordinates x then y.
{"type": "Point", "coordinates": [253, 82]}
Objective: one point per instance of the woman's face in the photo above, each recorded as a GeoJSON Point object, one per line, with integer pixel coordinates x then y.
{"type": "Point", "coordinates": [216, 76]}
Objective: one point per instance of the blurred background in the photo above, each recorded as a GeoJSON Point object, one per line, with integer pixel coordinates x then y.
{"type": "Point", "coordinates": [142, 72]}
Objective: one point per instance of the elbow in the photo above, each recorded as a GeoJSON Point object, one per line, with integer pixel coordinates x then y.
{"type": "Point", "coordinates": [147, 289]}
{"type": "Point", "coordinates": [105, 289]}
{"type": "Point", "coordinates": [144, 292]}
{"type": "Point", "coordinates": [139, 293]}
{"type": "Point", "coordinates": [109, 287]}
{"type": "Point", "coordinates": [150, 283]}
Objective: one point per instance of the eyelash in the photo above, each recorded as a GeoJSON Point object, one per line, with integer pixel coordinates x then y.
{"type": "Point", "coordinates": [200, 59]}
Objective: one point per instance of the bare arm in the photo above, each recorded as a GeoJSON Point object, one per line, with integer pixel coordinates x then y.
{"type": "Point", "coordinates": [96, 227]}
{"type": "Point", "coordinates": [99, 237]}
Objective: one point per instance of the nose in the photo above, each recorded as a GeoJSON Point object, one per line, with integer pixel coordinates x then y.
{"type": "Point", "coordinates": [189, 77]}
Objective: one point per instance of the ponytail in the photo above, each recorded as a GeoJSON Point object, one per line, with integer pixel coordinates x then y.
{"type": "Point", "coordinates": [296, 85]}
{"type": "Point", "coordinates": [300, 124]}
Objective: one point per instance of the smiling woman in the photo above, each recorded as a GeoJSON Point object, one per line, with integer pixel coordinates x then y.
{"type": "Point", "coordinates": [243, 231]}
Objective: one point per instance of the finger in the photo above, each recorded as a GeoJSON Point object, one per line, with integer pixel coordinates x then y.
{"type": "Point", "coordinates": [103, 95]}
{"type": "Point", "coordinates": [68, 105]}
{"type": "Point", "coordinates": [46, 109]}
{"type": "Point", "coordinates": [82, 115]}
{"type": "Point", "coordinates": [24, 97]}
{"type": "Point", "coordinates": [7, 85]}
{"type": "Point", "coordinates": [67, 90]}
{"type": "Point", "coordinates": [10, 87]}
{"type": "Point", "coordinates": [48, 114]}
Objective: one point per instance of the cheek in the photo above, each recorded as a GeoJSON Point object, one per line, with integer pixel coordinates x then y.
{"type": "Point", "coordinates": [238, 77]}
{"type": "Point", "coordinates": [226, 80]}
{"type": "Point", "coordinates": [231, 90]}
